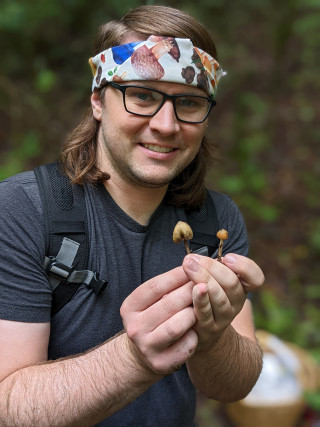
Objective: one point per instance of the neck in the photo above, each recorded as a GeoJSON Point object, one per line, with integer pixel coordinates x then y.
{"type": "Point", "coordinates": [137, 202]}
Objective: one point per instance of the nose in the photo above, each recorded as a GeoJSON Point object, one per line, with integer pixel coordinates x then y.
{"type": "Point", "coordinates": [165, 120]}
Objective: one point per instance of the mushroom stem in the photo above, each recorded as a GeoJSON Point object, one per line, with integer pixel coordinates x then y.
{"type": "Point", "coordinates": [186, 244]}
{"type": "Point", "coordinates": [220, 250]}
{"type": "Point", "coordinates": [222, 235]}
{"type": "Point", "coordinates": [161, 48]}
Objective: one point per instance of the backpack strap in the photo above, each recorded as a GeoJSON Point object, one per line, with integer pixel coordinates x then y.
{"type": "Point", "coordinates": [204, 224]}
{"type": "Point", "coordinates": [66, 234]}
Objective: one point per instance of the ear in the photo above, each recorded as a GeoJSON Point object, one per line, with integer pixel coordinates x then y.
{"type": "Point", "coordinates": [96, 105]}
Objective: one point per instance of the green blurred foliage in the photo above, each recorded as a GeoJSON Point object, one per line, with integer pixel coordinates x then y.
{"type": "Point", "coordinates": [265, 126]}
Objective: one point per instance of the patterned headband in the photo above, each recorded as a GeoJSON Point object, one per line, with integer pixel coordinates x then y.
{"type": "Point", "coordinates": [157, 58]}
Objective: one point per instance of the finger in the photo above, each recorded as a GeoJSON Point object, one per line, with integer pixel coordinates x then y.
{"type": "Point", "coordinates": [225, 290]}
{"type": "Point", "coordinates": [174, 356]}
{"type": "Point", "coordinates": [154, 289]}
{"type": "Point", "coordinates": [167, 306]}
{"type": "Point", "coordinates": [202, 305]}
{"type": "Point", "coordinates": [221, 280]}
{"type": "Point", "coordinates": [173, 329]}
{"type": "Point", "coordinates": [250, 273]}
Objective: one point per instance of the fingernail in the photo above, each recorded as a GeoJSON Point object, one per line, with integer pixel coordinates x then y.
{"type": "Point", "coordinates": [229, 259]}
{"type": "Point", "coordinates": [194, 256]}
{"type": "Point", "coordinates": [193, 264]}
{"type": "Point", "coordinates": [201, 289]}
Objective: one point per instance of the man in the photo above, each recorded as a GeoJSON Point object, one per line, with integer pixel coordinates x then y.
{"type": "Point", "coordinates": [166, 323]}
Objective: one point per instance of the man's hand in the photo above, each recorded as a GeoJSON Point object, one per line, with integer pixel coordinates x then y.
{"type": "Point", "coordinates": [158, 318]}
{"type": "Point", "coordinates": [219, 292]}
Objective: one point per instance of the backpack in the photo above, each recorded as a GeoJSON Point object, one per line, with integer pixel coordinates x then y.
{"type": "Point", "coordinates": [66, 234]}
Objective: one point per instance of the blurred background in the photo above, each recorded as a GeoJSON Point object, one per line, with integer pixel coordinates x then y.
{"type": "Point", "coordinates": [265, 127]}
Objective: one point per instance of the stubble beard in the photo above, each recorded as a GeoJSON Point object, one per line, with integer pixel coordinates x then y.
{"type": "Point", "coordinates": [134, 173]}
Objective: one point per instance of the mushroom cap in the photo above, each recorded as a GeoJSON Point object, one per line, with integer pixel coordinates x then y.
{"type": "Point", "coordinates": [146, 64]}
{"type": "Point", "coordinates": [222, 234]}
{"type": "Point", "coordinates": [174, 52]}
{"type": "Point", "coordinates": [188, 74]}
{"type": "Point", "coordinates": [92, 66]}
{"type": "Point", "coordinates": [99, 74]}
{"type": "Point", "coordinates": [171, 43]}
{"type": "Point", "coordinates": [182, 231]}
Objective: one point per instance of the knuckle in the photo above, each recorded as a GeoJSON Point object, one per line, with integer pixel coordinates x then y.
{"type": "Point", "coordinates": [234, 281]}
{"type": "Point", "coordinates": [123, 309]}
{"type": "Point", "coordinates": [158, 365]}
{"type": "Point", "coordinates": [221, 302]}
{"type": "Point", "coordinates": [144, 349]}
{"type": "Point", "coordinates": [191, 342]}
{"type": "Point", "coordinates": [206, 314]}
{"type": "Point", "coordinates": [172, 332]}
{"type": "Point", "coordinates": [166, 304]}
{"type": "Point", "coordinates": [131, 334]}
{"type": "Point", "coordinates": [132, 331]}
{"type": "Point", "coordinates": [154, 288]}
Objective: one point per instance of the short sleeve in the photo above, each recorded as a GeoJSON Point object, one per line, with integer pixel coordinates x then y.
{"type": "Point", "coordinates": [24, 287]}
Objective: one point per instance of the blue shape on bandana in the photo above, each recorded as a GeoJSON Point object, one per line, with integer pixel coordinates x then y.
{"type": "Point", "coordinates": [123, 52]}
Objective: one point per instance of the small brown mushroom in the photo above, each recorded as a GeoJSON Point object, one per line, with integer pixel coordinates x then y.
{"type": "Point", "coordinates": [222, 235]}
{"type": "Point", "coordinates": [202, 81]}
{"type": "Point", "coordinates": [146, 64]}
{"type": "Point", "coordinates": [171, 46]}
{"type": "Point", "coordinates": [188, 74]}
{"type": "Point", "coordinates": [174, 51]}
{"type": "Point", "coordinates": [121, 78]}
{"type": "Point", "coordinates": [145, 61]}
{"type": "Point", "coordinates": [99, 74]}
{"type": "Point", "coordinates": [182, 231]}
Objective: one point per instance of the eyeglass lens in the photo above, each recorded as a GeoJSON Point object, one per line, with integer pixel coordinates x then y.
{"type": "Point", "coordinates": [146, 102]}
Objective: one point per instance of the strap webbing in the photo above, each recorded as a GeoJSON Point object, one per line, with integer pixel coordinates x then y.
{"type": "Point", "coordinates": [60, 267]}
{"type": "Point", "coordinates": [66, 233]}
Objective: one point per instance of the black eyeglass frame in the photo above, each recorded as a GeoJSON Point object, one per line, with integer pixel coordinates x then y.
{"type": "Point", "coordinates": [165, 96]}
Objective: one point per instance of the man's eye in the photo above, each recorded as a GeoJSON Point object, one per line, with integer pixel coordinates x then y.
{"type": "Point", "coordinates": [188, 102]}
{"type": "Point", "coordinates": [141, 96]}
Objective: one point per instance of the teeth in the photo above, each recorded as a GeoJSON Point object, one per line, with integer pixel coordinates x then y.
{"type": "Point", "coordinates": [158, 148]}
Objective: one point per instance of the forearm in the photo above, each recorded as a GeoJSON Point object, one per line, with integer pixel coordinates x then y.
{"type": "Point", "coordinates": [78, 391]}
{"type": "Point", "coordinates": [229, 371]}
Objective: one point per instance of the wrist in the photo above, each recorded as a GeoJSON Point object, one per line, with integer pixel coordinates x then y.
{"type": "Point", "coordinates": [137, 361]}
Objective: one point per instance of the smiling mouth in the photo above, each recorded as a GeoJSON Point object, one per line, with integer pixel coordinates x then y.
{"type": "Point", "coordinates": [158, 148]}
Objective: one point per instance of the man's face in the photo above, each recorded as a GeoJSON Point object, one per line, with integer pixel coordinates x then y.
{"type": "Point", "coordinates": [145, 151]}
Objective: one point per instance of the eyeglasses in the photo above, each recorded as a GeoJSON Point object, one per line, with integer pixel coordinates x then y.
{"type": "Point", "coordinates": [143, 101]}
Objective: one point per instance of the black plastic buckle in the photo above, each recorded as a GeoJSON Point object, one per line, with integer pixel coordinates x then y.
{"type": "Point", "coordinates": [58, 270]}
{"type": "Point", "coordinates": [97, 285]}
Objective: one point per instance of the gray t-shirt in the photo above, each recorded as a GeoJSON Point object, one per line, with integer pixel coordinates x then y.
{"type": "Point", "coordinates": [121, 251]}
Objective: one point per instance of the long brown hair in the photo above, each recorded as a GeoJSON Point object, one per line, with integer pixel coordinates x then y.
{"type": "Point", "coordinates": [78, 157]}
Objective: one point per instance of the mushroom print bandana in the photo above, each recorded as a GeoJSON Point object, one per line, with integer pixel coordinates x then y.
{"type": "Point", "coordinates": [157, 59]}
